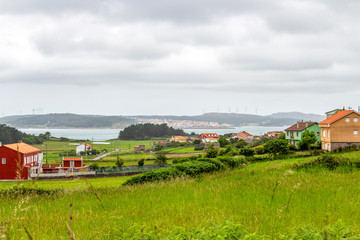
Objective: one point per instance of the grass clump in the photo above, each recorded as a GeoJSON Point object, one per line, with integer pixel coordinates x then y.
{"type": "Point", "coordinates": [21, 190]}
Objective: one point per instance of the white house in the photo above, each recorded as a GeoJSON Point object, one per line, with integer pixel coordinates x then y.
{"type": "Point", "coordinates": [83, 147]}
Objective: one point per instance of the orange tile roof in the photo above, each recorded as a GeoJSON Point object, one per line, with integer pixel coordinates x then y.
{"type": "Point", "coordinates": [23, 148]}
{"type": "Point", "coordinates": [336, 116]}
{"type": "Point", "coordinates": [72, 159]}
{"type": "Point", "coordinates": [181, 137]}
{"type": "Point", "coordinates": [245, 133]}
{"type": "Point", "coordinates": [210, 135]}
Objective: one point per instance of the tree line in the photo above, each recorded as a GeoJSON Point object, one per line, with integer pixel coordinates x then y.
{"type": "Point", "coordinates": [143, 131]}
{"type": "Point", "coordinates": [9, 135]}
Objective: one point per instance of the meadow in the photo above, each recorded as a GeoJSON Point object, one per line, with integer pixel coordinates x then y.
{"type": "Point", "coordinates": [267, 198]}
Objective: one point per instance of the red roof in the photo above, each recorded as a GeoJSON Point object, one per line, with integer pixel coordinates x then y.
{"type": "Point", "coordinates": [336, 116]}
{"type": "Point", "coordinates": [240, 137]}
{"type": "Point", "coordinates": [245, 133]}
{"type": "Point", "coordinates": [210, 135]}
{"type": "Point", "coordinates": [302, 126]}
{"type": "Point", "coordinates": [72, 159]}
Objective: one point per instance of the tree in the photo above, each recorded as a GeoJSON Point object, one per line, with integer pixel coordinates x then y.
{"type": "Point", "coordinates": [211, 152]}
{"type": "Point", "coordinates": [148, 130]}
{"type": "Point", "coordinates": [161, 159]}
{"type": "Point", "coordinates": [119, 162]}
{"type": "Point", "coordinates": [141, 162]}
{"type": "Point", "coordinates": [223, 142]}
{"type": "Point", "coordinates": [277, 146]}
{"type": "Point", "coordinates": [307, 139]}
{"type": "Point", "coordinates": [197, 141]}
{"type": "Point", "coordinates": [282, 136]}
{"type": "Point", "coordinates": [241, 144]}
{"type": "Point", "coordinates": [247, 151]}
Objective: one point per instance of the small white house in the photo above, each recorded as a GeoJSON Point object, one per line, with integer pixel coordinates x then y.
{"type": "Point", "coordinates": [83, 147]}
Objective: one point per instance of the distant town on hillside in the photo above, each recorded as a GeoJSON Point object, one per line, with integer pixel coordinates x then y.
{"type": "Point", "coordinates": [203, 121]}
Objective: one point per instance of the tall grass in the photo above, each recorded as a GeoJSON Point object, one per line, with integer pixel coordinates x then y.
{"type": "Point", "coordinates": [265, 198]}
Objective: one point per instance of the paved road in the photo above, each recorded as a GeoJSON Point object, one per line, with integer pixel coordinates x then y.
{"type": "Point", "coordinates": [102, 156]}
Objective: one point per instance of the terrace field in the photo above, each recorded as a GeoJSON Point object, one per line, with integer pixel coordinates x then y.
{"type": "Point", "coordinates": [267, 198]}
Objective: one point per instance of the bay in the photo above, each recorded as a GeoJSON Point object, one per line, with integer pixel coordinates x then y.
{"type": "Point", "coordinates": [106, 134]}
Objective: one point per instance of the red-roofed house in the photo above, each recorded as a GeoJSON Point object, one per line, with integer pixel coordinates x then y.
{"type": "Point", "coordinates": [247, 137]}
{"type": "Point", "coordinates": [209, 137]}
{"type": "Point", "coordinates": [340, 130]}
{"type": "Point", "coordinates": [295, 132]}
{"type": "Point", "coordinates": [18, 160]}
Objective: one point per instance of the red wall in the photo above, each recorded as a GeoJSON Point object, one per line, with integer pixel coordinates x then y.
{"type": "Point", "coordinates": [76, 163]}
{"type": "Point", "coordinates": [8, 170]}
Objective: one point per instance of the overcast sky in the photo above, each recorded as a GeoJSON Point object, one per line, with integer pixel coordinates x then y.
{"type": "Point", "coordinates": [181, 57]}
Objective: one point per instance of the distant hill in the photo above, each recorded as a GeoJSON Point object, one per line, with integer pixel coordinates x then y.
{"type": "Point", "coordinates": [67, 120]}
{"type": "Point", "coordinates": [234, 119]}
{"type": "Point", "coordinates": [299, 116]}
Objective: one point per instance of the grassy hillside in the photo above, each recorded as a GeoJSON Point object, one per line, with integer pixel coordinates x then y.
{"type": "Point", "coordinates": [266, 198]}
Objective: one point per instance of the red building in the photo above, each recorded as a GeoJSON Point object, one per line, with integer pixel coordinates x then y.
{"type": "Point", "coordinates": [71, 163]}
{"type": "Point", "coordinates": [18, 160]}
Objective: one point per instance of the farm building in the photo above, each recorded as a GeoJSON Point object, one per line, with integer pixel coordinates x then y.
{"type": "Point", "coordinates": [18, 160]}
{"type": "Point", "coordinates": [69, 164]}
{"type": "Point", "coordinates": [83, 147]}
{"type": "Point", "coordinates": [247, 137]}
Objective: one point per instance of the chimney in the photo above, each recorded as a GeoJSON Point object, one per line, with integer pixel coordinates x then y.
{"type": "Point", "coordinates": [307, 124]}
{"type": "Point", "coordinates": [0, 144]}
{"type": "Point", "coordinates": [297, 125]}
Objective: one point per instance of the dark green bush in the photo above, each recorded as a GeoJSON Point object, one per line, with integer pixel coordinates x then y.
{"type": "Point", "coordinates": [232, 162]}
{"type": "Point", "coordinates": [247, 151]}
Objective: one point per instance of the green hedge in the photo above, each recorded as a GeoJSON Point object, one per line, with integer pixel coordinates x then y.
{"type": "Point", "coordinates": [187, 168]}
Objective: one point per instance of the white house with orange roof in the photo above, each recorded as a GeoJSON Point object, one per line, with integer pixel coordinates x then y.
{"type": "Point", "coordinates": [209, 137]}
{"type": "Point", "coordinates": [83, 147]}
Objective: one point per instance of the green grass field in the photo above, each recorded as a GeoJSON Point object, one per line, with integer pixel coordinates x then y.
{"type": "Point", "coordinates": [267, 198]}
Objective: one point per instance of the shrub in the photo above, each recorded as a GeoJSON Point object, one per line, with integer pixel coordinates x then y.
{"type": "Point", "coordinates": [247, 151]}
{"type": "Point", "coordinates": [241, 144]}
{"type": "Point", "coordinates": [259, 150]}
{"type": "Point", "coordinates": [211, 153]}
{"type": "Point", "coordinates": [327, 161]}
{"type": "Point", "coordinates": [231, 162]}
{"type": "Point", "coordinates": [292, 147]}
{"type": "Point", "coordinates": [141, 162]}
{"type": "Point", "coordinates": [161, 159]}
{"type": "Point", "coordinates": [94, 166]}
{"type": "Point", "coordinates": [119, 162]}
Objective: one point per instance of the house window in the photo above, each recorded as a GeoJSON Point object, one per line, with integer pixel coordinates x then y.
{"type": "Point", "coordinates": [328, 133]}
{"type": "Point", "coordinates": [347, 119]}
{"type": "Point", "coordinates": [3, 160]}
{"type": "Point", "coordinates": [318, 134]}
{"type": "Point", "coordinates": [71, 163]}
{"type": "Point", "coordinates": [297, 134]}
{"type": "Point", "coordinates": [324, 132]}
{"type": "Point", "coordinates": [356, 132]}
{"type": "Point", "coordinates": [356, 119]}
